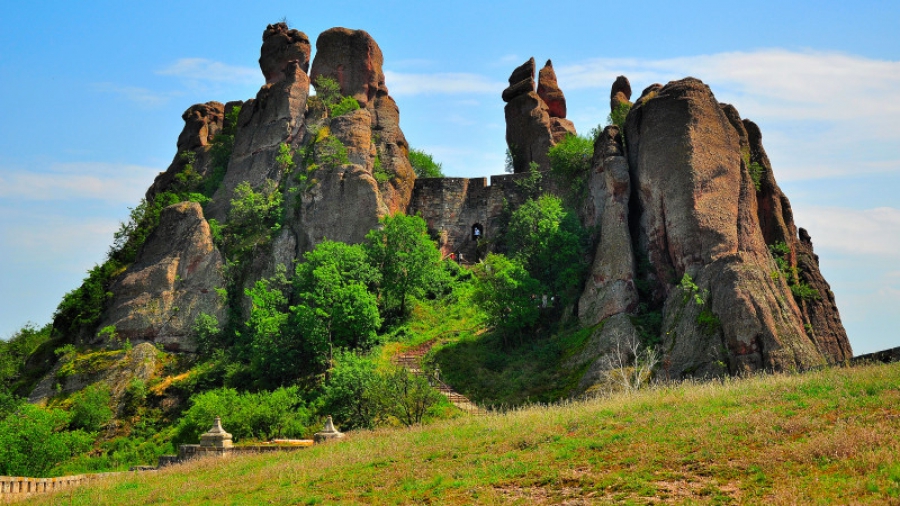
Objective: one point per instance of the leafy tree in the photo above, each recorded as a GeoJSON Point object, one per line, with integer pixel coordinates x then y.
{"type": "Point", "coordinates": [617, 116]}
{"type": "Point", "coordinates": [507, 294]}
{"type": "Point", "coordinates": [424, 165]}
{"type": "Point", "coordinates": [331, 286]}
{"type": "Point", "coordinates": [328, 90]}
{"type": "Point", "coordinates": [347, 394]}
{"type": "Point", "coordinates": [15, 351]}
{"type": "Point", "coordinates": [550, 243]}
{"type": "Point", "coordinates": [405, 256]}
{"type": "Point", "coordinates": [344, 106]}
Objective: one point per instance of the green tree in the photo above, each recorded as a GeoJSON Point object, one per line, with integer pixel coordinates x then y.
{"type": "Point", "coordinates": [348, 393]}
{"type": "Point", "coordinates": [550, 242]}
{"type": "Point", "coordinates": [507, 294]}
{"type": "Point", "coordinates": [424, 165]}
{"type": "Point", "coordinates": [572, 158]}
{"type": "Point", "coordinates": [406, 257]}
{"type": "Point", "coordinates": [404, 395]}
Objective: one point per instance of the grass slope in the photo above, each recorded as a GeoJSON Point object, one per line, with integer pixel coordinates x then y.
{"type": "Point", "coordinates": [823, 437]}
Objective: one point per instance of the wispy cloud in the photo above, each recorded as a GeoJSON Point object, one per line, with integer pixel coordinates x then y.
{"type": "Point", "coordinates": [402, 84]}
{"type": "Point", "coordinates": [203, 70]}
{"type": "Point", "coordinates": [874, 232]}
{"type": "Point", "coordinates": [142, 96]}
{"type": "Point", "coordinates": [774, 82]}
{"type": "Point", "coordinates": [107, 182]}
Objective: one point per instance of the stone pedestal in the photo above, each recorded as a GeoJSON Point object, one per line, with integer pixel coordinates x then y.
{"type": "Point", "coordinates": [328, 433]}
{"type": "Point", "coordinates": [216, 437]}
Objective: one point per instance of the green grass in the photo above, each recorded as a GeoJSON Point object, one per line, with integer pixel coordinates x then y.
{"type": "Point", "coordinates": [822, 437]}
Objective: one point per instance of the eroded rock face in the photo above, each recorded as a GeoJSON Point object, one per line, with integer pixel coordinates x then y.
{"type": "Point", "coordinates": [353, 59]}
{"type": "Point", "coordinates": [531, 128]}
{"type": "Point", "coordinates": [698, 216]}
{"type": "Point", "coordinates": [172, 281]}
{"type": "Point", "coordinates": [273, 118]}
{"type": "Point", "coordinates": [609, 288]}
{"type": "Point", "coordinates": [280, 46]}
{"type": "Point", "coordinates": [202, 122]}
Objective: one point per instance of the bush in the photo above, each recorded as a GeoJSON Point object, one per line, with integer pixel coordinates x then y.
{"type": "Point", "coordinates": [424, 165]}
{"type": "Point", "coordinates": [33, 440]}
{"type": "Point", "coordinates": [507, 294]}
{"type": "Point", "coordinates": [756, 173]}
{"type": "Point", "coordinates": [617, 116]}
{"type": "Point", "coordinates": [572, 158]}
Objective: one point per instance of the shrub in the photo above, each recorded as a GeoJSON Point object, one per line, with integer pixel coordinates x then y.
{"type": "Point", "coordinates": [505, 291]}
{"type": "Point", "coordinates": [572, 158]}
{"type": "Point", "coordinates": [617, 116]}
{"type": "Point", "coordinates": [344, 106]}
{"type": "Point", "coordinates": [756, 173]}
{"type": "Point", "coordinates": [33, 440]}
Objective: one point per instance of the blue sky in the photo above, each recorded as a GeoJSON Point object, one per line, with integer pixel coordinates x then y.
{"type": "Point", "coordinates": [94, 91]}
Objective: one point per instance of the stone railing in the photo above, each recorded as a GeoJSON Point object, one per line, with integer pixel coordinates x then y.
{"type": "Point", "coordinates": [17, 487]}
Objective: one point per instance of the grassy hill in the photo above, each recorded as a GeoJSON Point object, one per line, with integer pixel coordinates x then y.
{"type": "Point", "coordinates": [823, 437]}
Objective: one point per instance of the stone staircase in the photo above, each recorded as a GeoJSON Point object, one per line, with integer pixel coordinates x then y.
{"type": "Point", "coordinates": [411, 359]}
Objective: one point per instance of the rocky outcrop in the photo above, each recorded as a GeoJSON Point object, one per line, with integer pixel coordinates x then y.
{"type": "Point", "coordinates": [280, 46]}
{"type": "Point", "coordinates": [172, 281]}
{"type": "Point", "coordinates": [531, 127]}
{"type": "Point", "coordinates": [354, 60]}
{"type": "Point", "coordinates": [697, 225]}
{"type": "Point", "coordinates": [821, 317]}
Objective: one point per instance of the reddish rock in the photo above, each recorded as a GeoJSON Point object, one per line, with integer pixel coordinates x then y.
{"type": "Point", "coordinates": [353, 59]}
{"type": "Point", "coordinates": [550, 93]}
{"type": "Point", "coordinates": [531, 128]}
{"type": "Point", "coordinates": [821, 312]}
{"type": "Point", "coordinates": [280, 46]}
{"type": "Point", "coordinates": [171, 282]}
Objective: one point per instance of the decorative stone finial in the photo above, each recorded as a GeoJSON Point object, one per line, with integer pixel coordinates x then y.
{"type": "Point", "coordinates": [328, 433]}
{"type": "Point", "coordinates": [216, 437]}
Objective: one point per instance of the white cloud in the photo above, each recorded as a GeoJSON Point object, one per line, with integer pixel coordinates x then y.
{"type": "Point", "coordinates": [401, 84]}
{"type": "Point", "coordinates": [107, 182]}
{"type": "Point", "coordinates": [143, 96]}
{"type": "Point", "coordinates": [873, 232]}
{"type": "Point", "coordinates": [201, 69]}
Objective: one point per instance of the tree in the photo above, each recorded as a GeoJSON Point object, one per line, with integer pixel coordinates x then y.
{"type": "Point", "coordinates": [405, 395]}
{"type": "Point", "coordinates": [550, 243]}
{"type": "Point", "coordinates": [33, 440]}
{"type": "Point", "coordinates": [331, 286]}
{"type": "Point", "coordinates": [506, 293]}
{"type": "Point", "coordinates": [405, 256]}
{"type": "Point", "coordinates": [348, 392]}
{"type": "Point", "coordinates": [424, 165]}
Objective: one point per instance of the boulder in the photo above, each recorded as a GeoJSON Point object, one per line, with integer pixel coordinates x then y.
{"type": "Point", "coordinates": [280, 46]}
{"type": "Point", "coordinates": [699, 218]}
{"type": "Point", "coordinates": [353, 59]}
{"type": "Point", "coordinates": [172, 281]}
{"type": "Point", "coordinates": [521, 81]}
{"type": "Point", "coordinates": [550, 93]}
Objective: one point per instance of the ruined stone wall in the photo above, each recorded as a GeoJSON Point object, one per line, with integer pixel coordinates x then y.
{"type": "Point", "coordinates": [452, 206]}
{"type": "Point", "coordinates": [14, 488]}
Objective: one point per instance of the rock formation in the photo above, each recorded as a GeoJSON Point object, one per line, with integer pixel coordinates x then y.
{"type": "Point", "coordinates": [620, 93]}
{"type": "Point", "coordinates": [280, 46]}
{"type": "Point", "coordinates": [534, 125]}
{"type": "Point", "coordinates": [172, 281]}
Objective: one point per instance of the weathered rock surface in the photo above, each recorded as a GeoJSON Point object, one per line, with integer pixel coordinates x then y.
{"type": "Point", "coordinates": [549, 91]}
{"type": "Point", "coordinates": [171, 282]}
{"type": "Point", "coordinates": [609, 288]}
{"type": "Point", "coordinates": [353, 59]}
{"type": "Point", "coordinates": [698, 216]}
{"type": "Point", "coordinates": [202, 122]}
{"type": "Point", "coordinates": [280, 46]}
{"type": "Point", "coordinates": [821, 313]}
{"type": "Point", "coordinates": [531, 128]}
{"type": "Point", "coordinates": [274, 117]}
